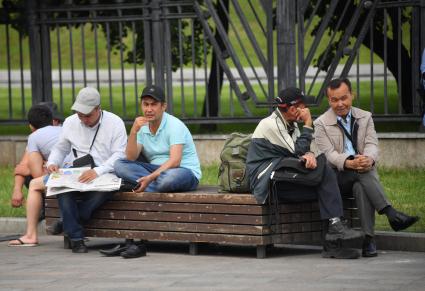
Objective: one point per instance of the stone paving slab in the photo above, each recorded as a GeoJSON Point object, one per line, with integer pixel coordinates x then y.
{"type": "Point", "coordinates": [168, 266]}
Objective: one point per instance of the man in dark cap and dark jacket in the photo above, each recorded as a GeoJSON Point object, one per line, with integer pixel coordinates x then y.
{"type": "Point", "coordinates": [277, 137]}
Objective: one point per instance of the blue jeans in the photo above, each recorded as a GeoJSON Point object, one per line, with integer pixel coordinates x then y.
{"type": "Point", "coordinates": [77, 208]}
{"type": "Point", "coordinates": [171, 180]}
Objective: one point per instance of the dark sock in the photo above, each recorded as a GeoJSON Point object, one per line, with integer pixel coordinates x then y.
{"type": "Point", "coordinates": [389, 211]}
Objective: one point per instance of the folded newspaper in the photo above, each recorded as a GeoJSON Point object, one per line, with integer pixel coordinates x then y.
{"type": "Point", "coordinates": [66, 180]}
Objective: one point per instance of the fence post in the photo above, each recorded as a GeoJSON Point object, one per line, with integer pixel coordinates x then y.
{"type": "Point", "coordinates": [39, 41]}
{"type": "Point", "coordinates": [286, 50]}
{"type": "Point", "coordinates": [158, 42]}
{"type": "Point", "coordinates": [45, 59]}
{"type": "Point", "coordinates": [35, 52]}
{"type": "Point", "coordinates": [422, 31]}
{"type": "Point", "coordinates": [417, 43]}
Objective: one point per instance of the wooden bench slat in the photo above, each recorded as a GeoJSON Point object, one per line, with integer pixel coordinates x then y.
{"type": "Point", "coordinates": [198, 207]}
{"type": "Point", "coordinates": [200, 227]}
{"type": "Point", "coordinates": [181, 236]}
{"type": "Point", "coordinates": [201, 195]}
{"type": "Point", "coordinates": [172, 216]}
{"type": "Point", "coordinates": [178, 227]}
{"type": "Point", "coordinates": [199, 217]}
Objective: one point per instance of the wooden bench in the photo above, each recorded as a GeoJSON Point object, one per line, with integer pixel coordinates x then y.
{"type": "Point", "coordinates": [204, 216]}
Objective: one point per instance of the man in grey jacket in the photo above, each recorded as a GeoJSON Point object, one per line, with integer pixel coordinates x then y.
{"type": "Point", "coordinates": [346, 135]}
{"type": "Point", "coordinates": [276, 137]}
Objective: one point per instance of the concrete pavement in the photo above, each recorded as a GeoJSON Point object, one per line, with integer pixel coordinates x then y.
{"type": "Point", "coordinates": [168, 266]}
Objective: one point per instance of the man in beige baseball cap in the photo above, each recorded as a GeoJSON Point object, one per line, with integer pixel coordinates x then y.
{"type": "Point", "coordinates": [93, 132]}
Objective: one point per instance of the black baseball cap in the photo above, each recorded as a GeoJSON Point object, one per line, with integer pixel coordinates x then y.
{"type": "Point", "coordinates": [155, 92]}
{"type": "Point", "coordinates": [290, 96]}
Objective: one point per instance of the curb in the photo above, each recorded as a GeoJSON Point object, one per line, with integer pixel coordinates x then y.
{"type": "Point", "coordinates": [18, 225]}
{"type": "Point", "coordinates": [385, 240]}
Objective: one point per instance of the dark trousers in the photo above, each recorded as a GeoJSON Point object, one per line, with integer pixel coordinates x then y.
{"type": "Point", "coordinates": [327, 193]}
{"type": "Point", "coordinates": [77, 208]}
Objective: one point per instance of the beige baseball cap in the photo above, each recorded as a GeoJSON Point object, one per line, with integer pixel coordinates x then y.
{"type": "Point", "coordinates": [87, 99]}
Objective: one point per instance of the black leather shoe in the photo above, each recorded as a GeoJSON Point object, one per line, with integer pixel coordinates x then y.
{"type": "Point", "coordinates": [79, 247]}
{"type": "Point", "coordinates": [402, 221]}
{"type": "Point", "coordinates": [57, 227]}
{"type": "Point", "coordinates": [115, 251]}
{"type": "Point", "coordinates": [339, 230]}
{"type": "Point", "coordinates": [134, 251]}
{"type": "Point", "coordinates": [334, 250]}
{"type": "Point", "coordinates": [369, 248]}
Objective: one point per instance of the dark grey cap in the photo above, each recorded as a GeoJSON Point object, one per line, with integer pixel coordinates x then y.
{"type": "Point", "coordinates": [155, 92]}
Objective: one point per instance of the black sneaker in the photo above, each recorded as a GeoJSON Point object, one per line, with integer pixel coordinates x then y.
{"type": "Point", "coordinates": [340, 230]}
{"type": "Point", "coordinates": [402, 221]}
{"type": "Point", "coordinates": [79, 247]}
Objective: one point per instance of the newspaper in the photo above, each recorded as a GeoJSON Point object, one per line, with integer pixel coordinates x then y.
{"type": "Point", "coordinates": [66, 180]}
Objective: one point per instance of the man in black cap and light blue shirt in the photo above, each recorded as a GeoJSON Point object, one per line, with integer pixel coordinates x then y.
{"type": "Point", "coordinates": [90, 131]}
{"type": "Point", "coordinates": [167, 145]}
{"type": "Point", "coordinates": [278, 136]}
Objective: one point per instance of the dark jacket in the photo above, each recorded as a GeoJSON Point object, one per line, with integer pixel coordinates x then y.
{"type": "Point", "coordinates": [271, 142]}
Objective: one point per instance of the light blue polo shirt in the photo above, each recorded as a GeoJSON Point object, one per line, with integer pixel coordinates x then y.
{"type": "Point", "coordinates": [172, 130]}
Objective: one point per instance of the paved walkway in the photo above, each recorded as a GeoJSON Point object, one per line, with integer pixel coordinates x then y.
{"type": "Point", "coordinates": [170, 267]}
{"type": "Point", "coordinates": [76, 77]}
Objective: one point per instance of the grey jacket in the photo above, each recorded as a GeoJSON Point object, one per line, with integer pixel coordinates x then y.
{"type": "Point", "coordinates": [329, 137]}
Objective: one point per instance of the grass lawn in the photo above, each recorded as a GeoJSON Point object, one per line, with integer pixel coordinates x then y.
{"type": "Point", "coordinates": [405, 189]}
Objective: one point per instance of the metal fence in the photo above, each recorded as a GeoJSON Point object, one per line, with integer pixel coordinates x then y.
{"type": "Point", "coordinates": [386, 84]}
{"type": "Point", "coordinates": [219, 61]}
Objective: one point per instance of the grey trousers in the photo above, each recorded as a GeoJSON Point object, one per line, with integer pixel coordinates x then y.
{"type": "Point", "coordinates": [369, 194]}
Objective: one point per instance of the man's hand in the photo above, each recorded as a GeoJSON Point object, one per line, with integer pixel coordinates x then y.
{"type": "Point", "coordinates": [17, 198]}
{"type": "Point", "coordinates": [304, 115]}
{"type": "Point", "coordinates": [87, 176]}
{"type": "Point", "coordinates": [144, 183]}
{"type": "Point", "coordinates": [137, 124]}
{"type": "Point", "coordinates": [360, 163]}
{"type": "Point", "coordinates": [365, 163]}
{"type": "Point", "coordinates": [53, 168]}
{"type": "Point", "coordinates": [310, 160]}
